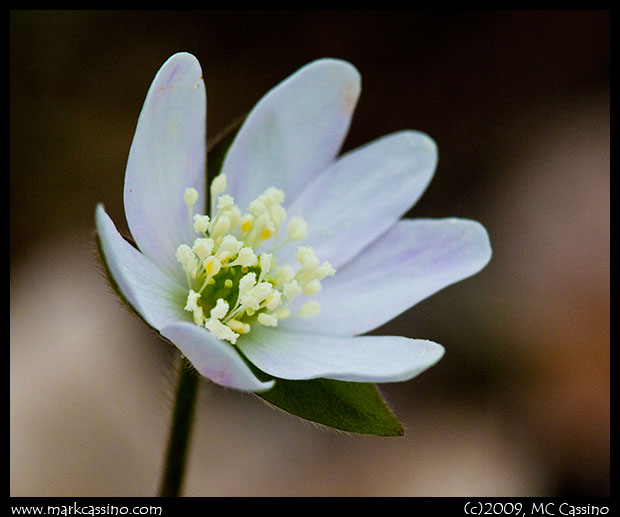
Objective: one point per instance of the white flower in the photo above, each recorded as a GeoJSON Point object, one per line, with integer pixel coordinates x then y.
{"type": "Point", "coordinates": [233, 284]}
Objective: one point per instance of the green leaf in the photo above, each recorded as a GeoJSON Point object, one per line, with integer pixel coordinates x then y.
{"type": "Point", "coordinates": [355, 407]}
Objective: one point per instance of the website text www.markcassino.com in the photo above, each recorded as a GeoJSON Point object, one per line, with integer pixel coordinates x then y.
{"type": "Point", "coordinates": [75, 509]}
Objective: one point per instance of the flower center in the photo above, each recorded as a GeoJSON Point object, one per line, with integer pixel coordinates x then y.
{"type": "Point", "coordinates": [231, 287]}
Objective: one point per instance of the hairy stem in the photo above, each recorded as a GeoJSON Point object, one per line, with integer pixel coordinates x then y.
{"type": "Point", "coordinates": [182, 419]}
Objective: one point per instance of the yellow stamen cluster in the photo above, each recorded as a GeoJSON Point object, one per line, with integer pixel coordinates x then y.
{"type": "Point", "coordinates": [230, 286]}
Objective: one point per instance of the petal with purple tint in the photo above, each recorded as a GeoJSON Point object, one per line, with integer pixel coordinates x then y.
{"type": "Point", "coordinates": [167, 156]}
{"type": "Point", "coordinates": [155, 295]}
{"type": "Point", "coordinates": [294, 132]}
{"type": "Point", "coordinates": [360, 359]}
{"type": "Point", "coordinates": [215, 359]}
{"type": "Point", "coordinates": [413, 260]}
{"type": "Point", "coordinates": [363, 194]}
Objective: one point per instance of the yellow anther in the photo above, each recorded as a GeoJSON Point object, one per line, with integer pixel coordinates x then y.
{"type": "Point", "coordinates": [246, 258]}
{"type": "Point", "coordinates": [220, 330]}
{"type": "Point", "coordinates": [234, 215]}
{"type": "Point", "coordinates": [246, 223]}
{"type": "Point", "coordinates": [194, 308]}
{"type": "Point", "coordinates": [190, 197]}
{"type": "Point", "coordinates": [230, 244]}
{"type": "Point", "coordinates": [201, 223]}
{"type": "Point", "coordinates": [220, 310]}
{"type": "Point", "coordinates": [221, 227]}
{"type": "Point", "coordinates": [325, 270]}
{"type": "Point", "coordinates": [297, 229]}
{"type": "Point", "coordinates": [273, 196]}
{"type": "Point", "coordinates": [192, 300]}
{"type": "Point", "coordinates": [273, 300]}
{"type": "Point", "coordinates": [312, 287]}
{"type": "Point", "coordinates": [188, 261]}
{"type": "Point", "coordinates": [203, 247]}
{"type": "Point", "coordinates": [269, 320]}
{"type": "Point", "coordinates": [307, 258]}
{"type": "Point", "coordinates": [212, 266]}
{"type": "Point", "coordinates": [257, 207]}
{"type": "Point", "coordinates": [277, 214]}
{"type": "Point", "coordinates": [265, 261]}
{"type": "Point", "coordinates": [218, 185]}
{"type": "Point", "coordinates": [225, 202]}
{"type": "Point", "coordinates": [291, 290]}
{"type": "Point", "coordinates": [283, 274]}
{"type": "Point", "coordinates": [238, 326]}
{"type": "Point", "coordinates": [198, 316]}
{"type": "Point", "coordinates": [247, 282]}
{"type": "Point", "coordinates": [262, 290]}
{"type": "Point", "coordinates": [249, 302]}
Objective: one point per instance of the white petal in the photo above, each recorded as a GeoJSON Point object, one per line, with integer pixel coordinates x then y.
{"type": "Point", "coordinates": [215, 359]}
{"type": "Point", "coordinates": [167, 155]}
{"type": "Point", "coordinates": [294, 132]}
{"type": "Point", "coordinates": [413, 260]}
{"type": "Point", "coordinates": [363, 194]}
{"type": "Point", "coordinates": [362, 359]}
{"type": "Point", "coordinates": [156, 296]}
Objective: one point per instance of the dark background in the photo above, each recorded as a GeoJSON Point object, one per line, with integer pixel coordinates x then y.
{"type": "Point", "coordinates": [518, 103]}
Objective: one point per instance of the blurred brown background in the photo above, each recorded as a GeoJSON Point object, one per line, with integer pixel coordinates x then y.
{"type": "Point", "coordinates": [518, 103]}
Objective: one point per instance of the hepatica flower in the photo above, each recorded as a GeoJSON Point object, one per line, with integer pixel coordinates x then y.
{"type": "Point", "coordinates": [301, 251]}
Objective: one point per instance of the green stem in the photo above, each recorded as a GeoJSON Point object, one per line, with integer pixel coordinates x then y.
{"type": "Point", "coordinates": [183, 416]}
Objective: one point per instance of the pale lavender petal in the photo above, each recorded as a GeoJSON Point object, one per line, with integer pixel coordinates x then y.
{"type": "Point", "coordinates": [413, 260]}
{"type": "Point", "coordinates": [362, 359]}
{"type": "Point", "coordinates": [155, 295]}
{"type": "Point", "coordinates": [363, 194]}
{"type": "Point", "coordinates": [294, 132]}
{"type": "Point", "coordinates": [167, 155]}
{"type": "Point", "coordinates": [215, 359]}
